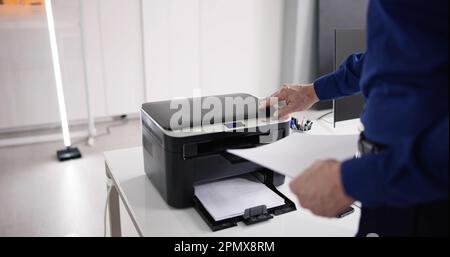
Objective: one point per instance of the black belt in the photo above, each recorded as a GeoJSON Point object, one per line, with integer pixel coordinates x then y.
{"type": "Point", "coordinates": [365, 146]}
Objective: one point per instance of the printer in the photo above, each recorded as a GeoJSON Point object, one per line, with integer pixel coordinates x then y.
{"type": "Point", "coordinates": [185, 145]}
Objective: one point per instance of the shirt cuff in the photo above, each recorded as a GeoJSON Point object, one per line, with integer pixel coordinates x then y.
{"type": "Point", "coordinates": [326, 87]}
{"type": "Point", "coordinates": [361, 180]}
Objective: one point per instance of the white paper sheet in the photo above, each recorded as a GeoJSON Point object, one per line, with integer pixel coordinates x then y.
{"type": "Point", "coordinates": [292, 154]}
{"type": "Point", "coordinates": [230, 197]}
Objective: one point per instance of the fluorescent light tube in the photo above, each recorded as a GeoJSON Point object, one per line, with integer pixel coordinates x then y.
{"type": "Point", "coordinates": [57, 72]}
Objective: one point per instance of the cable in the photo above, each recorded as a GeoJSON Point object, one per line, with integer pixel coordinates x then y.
{"type": "Point", "coordinates": [123, 121]}
{"type": "Point", "coordinates": [324, 115]}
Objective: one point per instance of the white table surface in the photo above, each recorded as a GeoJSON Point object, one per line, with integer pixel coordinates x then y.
{"type": "Point", "coordinates": [154, 217]}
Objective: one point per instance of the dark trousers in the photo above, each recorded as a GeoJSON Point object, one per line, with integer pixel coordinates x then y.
{"type": "Point", "coordinates": [422, 220]}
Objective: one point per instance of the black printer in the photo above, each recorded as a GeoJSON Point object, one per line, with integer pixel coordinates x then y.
{"type": "Point", "coordinates": [185, 145]}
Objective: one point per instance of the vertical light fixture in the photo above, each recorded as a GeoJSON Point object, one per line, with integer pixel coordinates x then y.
{"type": "Point", "coordinates": [69, 152]}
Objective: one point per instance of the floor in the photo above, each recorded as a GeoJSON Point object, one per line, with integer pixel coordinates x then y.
{"type": "Point", "coordinates": [40, 196]}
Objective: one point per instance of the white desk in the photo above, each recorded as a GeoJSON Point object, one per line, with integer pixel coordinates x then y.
{"type": "Point", "coordinates": [151, 216]}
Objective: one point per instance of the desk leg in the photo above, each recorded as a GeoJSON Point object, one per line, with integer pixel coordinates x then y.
{"type": "Point", "coordinates": [113, 208]}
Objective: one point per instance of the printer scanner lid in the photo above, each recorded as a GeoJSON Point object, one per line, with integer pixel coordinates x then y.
{"type": "Point", "coordinates": [161, 112]}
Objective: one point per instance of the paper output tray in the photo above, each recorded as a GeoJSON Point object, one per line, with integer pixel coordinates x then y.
{"type": "Point", "coordinates": [254, 214]}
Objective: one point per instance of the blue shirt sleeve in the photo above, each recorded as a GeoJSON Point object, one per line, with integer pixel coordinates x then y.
{"type": "Point", "coordinates": [343, 82]}
{"type": "Point", "coordinates": [412, 172]}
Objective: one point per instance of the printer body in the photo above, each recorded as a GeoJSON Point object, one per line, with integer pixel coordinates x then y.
{"type": "Point", "coordinates": [179, 155]}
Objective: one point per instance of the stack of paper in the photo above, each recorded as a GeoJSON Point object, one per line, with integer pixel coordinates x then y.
{"type": "Point", "coordinates": [230, 197]}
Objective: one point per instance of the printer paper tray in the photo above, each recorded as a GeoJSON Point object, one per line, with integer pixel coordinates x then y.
{"type": "Point", "coordinates": [253, 214]}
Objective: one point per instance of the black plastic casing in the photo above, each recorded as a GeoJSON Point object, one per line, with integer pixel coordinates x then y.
{"type": "Point", "coordinates": [175, 164]}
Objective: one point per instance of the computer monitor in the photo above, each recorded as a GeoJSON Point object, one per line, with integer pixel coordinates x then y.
{"type": "Point", "coordinates": [347, 42]}
{"type": "Point", "coordinates": [332, 15]}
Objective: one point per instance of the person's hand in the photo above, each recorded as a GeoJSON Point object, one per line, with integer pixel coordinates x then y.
{"type": "Point", "coordinates": [297, 98]}
{"type": "Point", "coordinates": [319, 189]}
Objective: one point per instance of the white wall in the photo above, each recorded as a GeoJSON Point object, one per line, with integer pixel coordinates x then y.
{"type": "Point", "coordinates": [219, 46]}
{"type": "Point", "coordinates": [144, 50]}
{"type": "Point", "coordinates": [112, 41]}
{"type": "Point", "coordinates": [114, 60]}
{"type": "Point", "coordinates": [241, 46]}
{"type": "Point", "coordinates": [121, 37]}
{"type": "Point", "coordinates": [27, 94]}
{"type": "Point", "coordinates": [171, 46]}
{"type": "Point", "coordinates": [299, 41]}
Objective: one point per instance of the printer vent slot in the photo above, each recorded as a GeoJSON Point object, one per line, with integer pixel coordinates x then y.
{"type": "Point", "coordinates": [205, 148]}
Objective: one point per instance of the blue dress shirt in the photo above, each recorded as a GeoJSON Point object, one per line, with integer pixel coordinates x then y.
{"type": "Point", "coordinates": [403, 76]}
